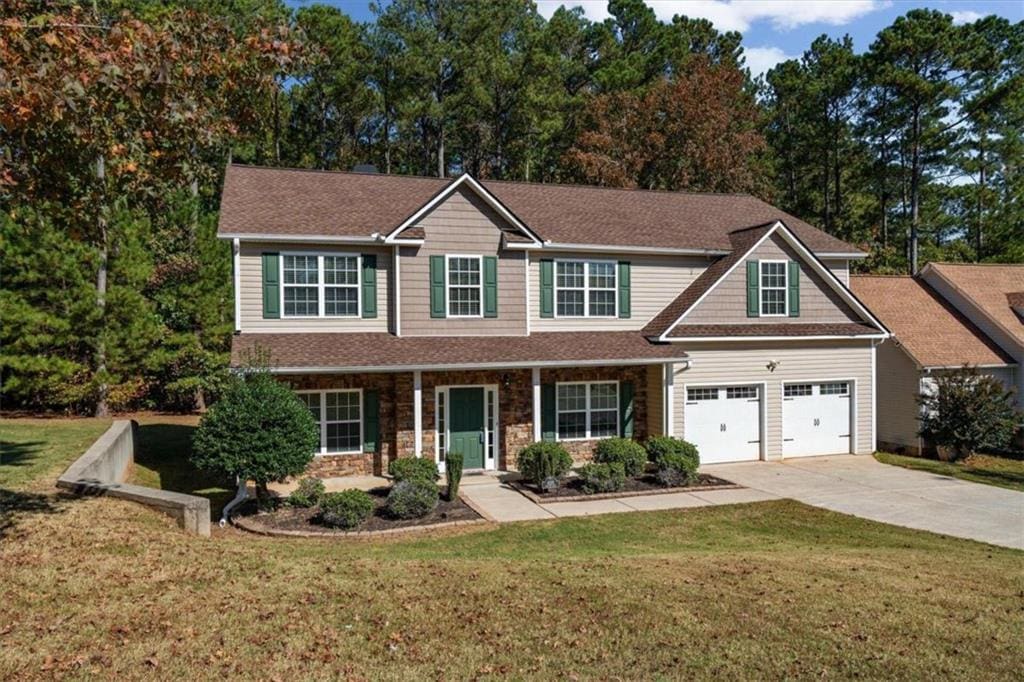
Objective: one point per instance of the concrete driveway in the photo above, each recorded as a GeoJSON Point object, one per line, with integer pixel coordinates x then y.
{"type": "Point", "coordinates": [861, 486]}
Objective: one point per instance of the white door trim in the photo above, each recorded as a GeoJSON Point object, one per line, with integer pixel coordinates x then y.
{"type": "Point", "coordinates": [490, 453]}
{"type": "Point", "coordinates": [762, 394]}
{"type": "Point", "coordinates": [854, 395]}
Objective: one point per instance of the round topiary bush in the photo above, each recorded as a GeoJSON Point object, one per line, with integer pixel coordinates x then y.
{"type": "Point", "coordinates": [625, 451]}
{"type": "Point", "coordinates": [258, 431]}
{"type": "Point", "coordinates": [543, 460]}
{"type": "Point", "coordinates": [308, 493]}
{"type": "Point", "coordinates": [602, 478]}
{"type": "Point", "coordinates": [346, 509]}
{"type": "Point", "coordinates": [412, 499]}
{"type": "Point", "coordinates": [408, 468]}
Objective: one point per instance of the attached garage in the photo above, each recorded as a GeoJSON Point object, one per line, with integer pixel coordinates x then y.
{"type": "Point", "coordinates": [724, 422]}
{"type": "Point", "coordinates": [816, 418]}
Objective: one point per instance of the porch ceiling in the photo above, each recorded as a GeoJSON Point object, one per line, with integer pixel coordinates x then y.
{"type": "Point", "coordinates": [349, 352]}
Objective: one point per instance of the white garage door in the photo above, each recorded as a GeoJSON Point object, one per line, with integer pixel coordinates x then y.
{"type": "Point", "coordinates": [815, 419]}
{"type": "Point", "coordinates": [724, 422]}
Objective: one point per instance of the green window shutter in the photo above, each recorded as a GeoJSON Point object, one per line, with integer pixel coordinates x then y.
{"type": "Point", "coordinates": [371, 421]}
{"type": "Point", "coordinates": [753, 289]}
{"type": "Point", "coordinates": [624, 296]}
{"type": "Point", "coordinates": [548, 427]}
{"type": "Point", "coordinates": [547, 288]}
{"type": "Point", "coordinates": [626, 409]}
{"type": "Point", "coordinates": [490, 286]}
{"type": "Point", "coordinates": [369, 286]}
{"type": "Point", "coordinates": [271, 286]}
{"type": "Point", "coordinates": [794, 289]}
{"type": "Point", "coordinates": [437, 275]}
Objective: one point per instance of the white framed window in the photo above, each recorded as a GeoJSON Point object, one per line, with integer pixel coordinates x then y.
{"type": "Point", "coordinates": [696, 394]}
{"type": "Point", "coordinates": [587, 410]}
{"type": "Point", "coordinates": [837, 388]}
{"type": "Point", "coordinates": [465, 287]}
{"type": "Point", "coordinates": [796, 390]}
{"type": "Point", "coordinates": [741, 392]}
{"type": "Point", "coordinates": [320, 285]}
{"type": "Point", "coordinates": [586, 288]}
{"type": "Point", "coordinates": [774, 285]}
{"type": "Point", "coordinates": [340, 416]}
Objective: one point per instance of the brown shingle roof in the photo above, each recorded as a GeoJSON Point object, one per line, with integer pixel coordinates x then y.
{"type": "Point", "coordinates": [795, 330]}
{"type": "Point", "coordinates": [988, 285]}
{"type": "Point", "coordinates": [925, 324]}
{"type": "Point", "coordinates": [382, 350]}
{"type": "Point", "coordinates": [300, 202]}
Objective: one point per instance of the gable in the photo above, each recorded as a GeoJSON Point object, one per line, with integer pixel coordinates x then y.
{"type": "Point", "coordinates": [465, 223]}
{"type": "Point", "coordinates": [726, 303]}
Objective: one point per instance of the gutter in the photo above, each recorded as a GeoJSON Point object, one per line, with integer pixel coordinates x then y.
{"type": "Point", "coordinates": [480, 365]}
{"type": "Point", "coordinates": [240, 496]}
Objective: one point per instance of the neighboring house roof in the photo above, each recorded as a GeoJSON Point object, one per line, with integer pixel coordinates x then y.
{"type": "Point", "coordinates": [990, 286]}
{"type": "Point", "coordinates": [287, 202]}
{"type": "Point", "coordinates": [666, 324]}
{"type": "Point", "coordinates": [929, 328]}
{"type": "Point", "coordinates": [351, 351]}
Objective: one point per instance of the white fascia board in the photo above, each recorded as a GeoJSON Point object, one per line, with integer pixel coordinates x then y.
{"type": "Point", "coordinates": [853, 255]}
{"type": "Point", "coordinates": [996, 365]}
{"type": "Point", "coordinates": [607, 248]}
{"type": "Point", "coordinates": [339, 239]}
{"type": "Point", "coordinates": [480, 190]}
{"type": "Point", "coordinates": [819, 337]}
{"type": "Point", "coordinates": [477, 365]}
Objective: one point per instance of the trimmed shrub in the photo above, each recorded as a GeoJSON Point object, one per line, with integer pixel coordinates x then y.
{"type": "Point", "coordinates": [453, 473]}
{"type": "Point", "coordinates": [258, 431]}
{"type": "Point", "coordinates": [346, 509]}
{"type": "Point", "coordinates": [602, 478]}
{"type": "Point", "coordinates": [412, 498]}
{"type": "Point", "coordinates": [968, 411]}
{"type": "Point", "coordinates": [626, 451]}
{"type": "Point", "coordinates": [659, 446]}
{"type": "Point", "coordinates": [543, 460]}
{"type": "Point", "coordinates": [308, 493]}
{"type": "Point", "coordinates": [676, 468]}
{"type": "Point", "coordinates": [409, 468]}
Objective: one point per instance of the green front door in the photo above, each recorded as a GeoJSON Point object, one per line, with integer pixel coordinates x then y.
{"type": "Point", "coordinates": [466, 419]}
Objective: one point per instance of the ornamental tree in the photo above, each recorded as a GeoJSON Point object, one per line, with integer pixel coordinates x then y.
{"type": "Point", "coordinates": [967, 411]}
{"type": "Point", "coordinates": [258, 431]}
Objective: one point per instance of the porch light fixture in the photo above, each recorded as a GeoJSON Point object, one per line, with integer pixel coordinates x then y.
{"type": "Point", "coordinates": [506, 381]}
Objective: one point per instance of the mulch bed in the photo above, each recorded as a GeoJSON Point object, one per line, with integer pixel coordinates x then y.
{"type": "Point", "coordinates": [646, 484]}
{"type": "Point", "coordinates": [287, 520]}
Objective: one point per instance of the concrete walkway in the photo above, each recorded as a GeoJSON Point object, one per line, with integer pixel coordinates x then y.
{"type": "Point", "coordinates": [861, 486]}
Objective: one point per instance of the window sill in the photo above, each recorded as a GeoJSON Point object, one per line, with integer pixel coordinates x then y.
{"type": "Point", "coordinates": [342, 452]}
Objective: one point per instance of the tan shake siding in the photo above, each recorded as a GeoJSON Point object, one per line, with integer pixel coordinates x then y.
{"type": "Point", "coordinates": [655, 281]}
{"type": "Point", "coordinates": [727, 302]}
{"type": "Point", "coordinates": [655, 400]}
{"type": "Point", "coordinates": [462, 225]}
{"type": "Point", "coordinates": [898, 385]}
{"type": "Point", "coordinates": [251, 290]}
{"type": "Point", "coordinates": [808, 362]}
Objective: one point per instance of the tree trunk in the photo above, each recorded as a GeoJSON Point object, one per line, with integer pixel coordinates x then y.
{"type": "Point", "coordinates": [102, 389]}
{"type": "Point", "coordinates": [440, 151]}
{"type": "Point", "coordinates": [981, 201]}
{"type": "Point", "coordinates": [277, 128]}
{"type": "Point", "coordinates": [915, 190]}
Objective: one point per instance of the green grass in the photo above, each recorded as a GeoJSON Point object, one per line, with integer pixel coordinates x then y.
{"type": "Point", "coordinates": [998, 471]}
{"type": "Point", "coordinates": [33, 449]}
{"type": "Point", "coordinates": [102, 587]}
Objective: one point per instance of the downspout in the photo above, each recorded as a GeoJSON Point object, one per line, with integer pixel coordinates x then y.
{"type": "Point", "coordinates": [240, 496]}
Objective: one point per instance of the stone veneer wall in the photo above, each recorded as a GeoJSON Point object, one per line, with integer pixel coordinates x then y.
{"type": "Point", "coordinates": [515, 407]}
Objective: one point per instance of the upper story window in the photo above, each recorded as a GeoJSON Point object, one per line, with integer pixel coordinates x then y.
{"type": "Point", "coordinates": [320, 285]}
{"type": "Point", "coordinates": [465, 286]}
{"type": "Point", "coordinates": [585, 288]}
{"type": "Point", "coordinates": [773, 288]}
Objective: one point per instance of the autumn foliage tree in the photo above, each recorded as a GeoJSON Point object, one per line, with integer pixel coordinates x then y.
{"type": "Point", "coordinates": [696, 131]}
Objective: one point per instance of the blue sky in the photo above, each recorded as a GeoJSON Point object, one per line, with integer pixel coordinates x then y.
{"type": "Point", "coordinates": [773, 30]}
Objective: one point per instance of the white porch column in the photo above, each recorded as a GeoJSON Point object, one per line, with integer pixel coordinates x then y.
{"type": "Point", "coordinates": [417, 411]}
{"type": "Point", "coordinates": [536, 405]}
{"type": "Point", "coordinates": [669, 383]}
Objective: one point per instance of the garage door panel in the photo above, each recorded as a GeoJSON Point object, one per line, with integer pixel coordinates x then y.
{"type": "Point", "coordinates": [724, 422]}
{"type": "Point", "coordinates": [816, 418]}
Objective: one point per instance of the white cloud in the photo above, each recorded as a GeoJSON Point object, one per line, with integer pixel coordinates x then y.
{"type": "Point", "coordinates": [738, 15]}
{"type": "Point", "coordinates": [966, 17]}
{"type": "Point", "coordinates": [761, 59]}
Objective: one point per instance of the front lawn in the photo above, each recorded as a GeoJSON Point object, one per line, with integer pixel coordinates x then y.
{"type": "Point", "coordinates": [998, 471]}
{"type": "Point", "coordinates": [97, 586]}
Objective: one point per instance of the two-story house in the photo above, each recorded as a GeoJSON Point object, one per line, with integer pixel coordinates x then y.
{"type": "Point", "coordinates": [418, 316]}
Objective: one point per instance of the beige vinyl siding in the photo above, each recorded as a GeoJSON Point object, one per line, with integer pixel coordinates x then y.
{"type": "Point", "coordinates": [716, 364]}
{"type": "Point", "coordinates": [251, 290]}
{"type": "Point", "coordinates": [840, 267]}
{"type": "Point", "coordinates": [655, 281]}
{"type": "Point", "coordinates": [899, 382]}
{"type": "Point", "coordinates": [727, 302]}
{"type": "Point", "coordinates": [655, 400]}
{"type": "Point", "coordinates": [463, 224]}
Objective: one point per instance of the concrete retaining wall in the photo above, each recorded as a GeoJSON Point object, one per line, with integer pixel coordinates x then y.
{"type": "Point", "coordinates": [105, 465]}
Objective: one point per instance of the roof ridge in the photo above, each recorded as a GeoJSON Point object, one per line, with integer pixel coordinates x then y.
{"type": "Point", "coordinates": [973, 265]}
{"type": "Point", "coordinates": [325, 171]}
{"type": "Point", "coordinates": [570, 185]}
